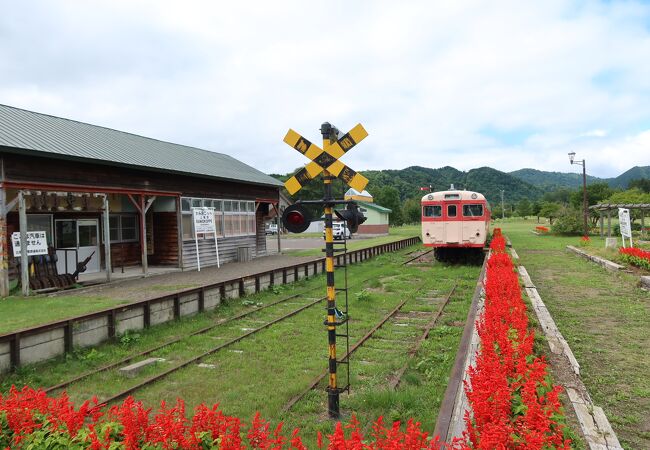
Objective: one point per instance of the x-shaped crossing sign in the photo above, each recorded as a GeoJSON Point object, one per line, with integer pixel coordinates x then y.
{"type": "Point", "coordinates": [326, 158]}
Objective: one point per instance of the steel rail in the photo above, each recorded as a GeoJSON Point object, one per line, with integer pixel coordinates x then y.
{"type": "Point", "coordinates": [195, 359]}
{"type": "Point", "coordinates": [418, 256]}
{"type": "Point", "coordinates": [395, 381]}
{"type": "Point", "coordinates": [168, 343]}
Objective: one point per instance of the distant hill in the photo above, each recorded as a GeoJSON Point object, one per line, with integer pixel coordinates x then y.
{"type": "Point", "coordinates": [635, 173]}
{"type": "Point", "coordinates": [549, 181]}
{"type": "Point", "coordinates": [523, 183]}
{"type": "Point", "coordinates": [486, 180]}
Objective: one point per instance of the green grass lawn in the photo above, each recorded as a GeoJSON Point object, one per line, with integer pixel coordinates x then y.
{"type": "Point", "coordinates": [19, 312]}
{"type": "Point", "coordinates": [604, 316]}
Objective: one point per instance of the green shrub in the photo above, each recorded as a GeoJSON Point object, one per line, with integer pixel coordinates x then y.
{"type": "Point", "coordinates": [569, 222]}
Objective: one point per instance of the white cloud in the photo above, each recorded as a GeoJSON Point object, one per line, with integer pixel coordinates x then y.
{"type": "Point", "coordinates": [425, 78]}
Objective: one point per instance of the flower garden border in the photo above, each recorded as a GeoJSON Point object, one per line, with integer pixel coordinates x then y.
{"type": "Point", "coordinates": [594, 424]}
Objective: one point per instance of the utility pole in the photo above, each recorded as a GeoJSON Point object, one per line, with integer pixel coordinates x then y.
{"type": "Point", "coordinates": [584, 190]}
{"type": "Point", "coordinates": [503, 211]}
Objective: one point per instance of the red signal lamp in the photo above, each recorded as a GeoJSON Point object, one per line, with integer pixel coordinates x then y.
{"type": "Point", "coordinates": [296, 218]}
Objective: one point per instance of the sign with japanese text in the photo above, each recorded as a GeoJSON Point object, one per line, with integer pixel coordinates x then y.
{"type": "Point", "coordinates": [203, 220]}
{"type": "Point", "coordinates": [36, 243]}
{"type": "Point", "coordinates": [624, 221]}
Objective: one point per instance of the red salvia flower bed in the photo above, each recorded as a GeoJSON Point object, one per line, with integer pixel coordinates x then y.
{"type": "Point", "coordinates": [514, 405]}
{"type": "Point", "coordinates": [636, 256]}
{"type": "Point", "coordinates": [31, 419]}
{"type": "Point", "coordinates": [542, 229]}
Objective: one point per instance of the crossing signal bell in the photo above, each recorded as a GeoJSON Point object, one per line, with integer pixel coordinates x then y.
{"type": "Point", "coordinates": [351, 216]}
{"type": "Point", "coordinates": [296, 218]}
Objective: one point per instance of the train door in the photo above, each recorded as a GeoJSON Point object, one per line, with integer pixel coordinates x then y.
{"type": "Point", "coordinates": [452, 223]}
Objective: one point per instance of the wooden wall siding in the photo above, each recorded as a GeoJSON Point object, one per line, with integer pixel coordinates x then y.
{"type": "Point", "coordinates": [165, 238]}
{"type": "Point", "coordinates": [261, 235]}
{"type": "Point", "coordinates": [123, 254]}
{"type": "Point", "coordinates": [50, 170]}
{"type": "Point", "coordinates": [227, 251]}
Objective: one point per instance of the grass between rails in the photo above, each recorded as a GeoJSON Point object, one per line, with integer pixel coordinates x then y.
{"type": "Point", "coordinates": [604, 317]}
{"type": "Point", "coordinates": [263, 372]}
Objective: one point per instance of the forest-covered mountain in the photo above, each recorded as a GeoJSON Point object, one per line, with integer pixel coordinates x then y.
{"type": "Point", "coordinates": [525, 183]}
{"type": "Point", "coordinates": [486, 180]}
{"type": "Point", "coordinates": [550, 181]}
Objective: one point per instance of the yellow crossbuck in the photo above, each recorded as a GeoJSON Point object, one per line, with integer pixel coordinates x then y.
{"type": "Point", "coordinates": [326, 158]}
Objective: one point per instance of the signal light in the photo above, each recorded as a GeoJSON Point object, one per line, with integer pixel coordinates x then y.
{"type": "Point", "coordinates": [351, 216]}
{"type": "Point", "coordinates": [296, 218]}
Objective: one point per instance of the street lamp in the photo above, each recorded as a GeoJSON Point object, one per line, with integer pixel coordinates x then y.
{"type": "Point", "coordinates": [572, 156]}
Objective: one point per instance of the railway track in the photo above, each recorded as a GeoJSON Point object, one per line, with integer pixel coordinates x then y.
{"type": "Point", "coordinates": [170, 342]}
{"type": "Point", "coordinates": [396, 319]}
{"type": "Point", "coordinates": [246, 321]}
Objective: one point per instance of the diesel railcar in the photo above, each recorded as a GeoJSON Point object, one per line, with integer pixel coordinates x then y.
{"type": "Point", "coordinates": [455, 223]}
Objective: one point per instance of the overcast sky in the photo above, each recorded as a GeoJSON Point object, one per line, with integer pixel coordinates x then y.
{"type": "Point", "coordinates": [467, 84]}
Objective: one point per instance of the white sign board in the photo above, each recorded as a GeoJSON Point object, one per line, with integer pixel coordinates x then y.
{"type": "Point", "coordinates": [624, 222]}
{"type": "Point", "coordinates": [36, 243]}
{"type": "Point", "coordinates": [203, 220]}
{"type": "Point", "coordinates": [204, 223]}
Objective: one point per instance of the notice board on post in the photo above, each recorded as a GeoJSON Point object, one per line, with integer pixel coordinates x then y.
{"type": "Point", "coordinates": [36, 243]}
{"type": "Point", "coordinates": [625, 225]}
{"type": "Point", "coordinates": [203, 219]}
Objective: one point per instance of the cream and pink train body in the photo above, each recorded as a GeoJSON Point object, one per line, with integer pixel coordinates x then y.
{"type": "Point", "coordinates": [455, 219]}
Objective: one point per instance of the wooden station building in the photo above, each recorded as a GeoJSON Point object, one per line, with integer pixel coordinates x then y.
{"type": "Point", "coordinates": [121, 198]}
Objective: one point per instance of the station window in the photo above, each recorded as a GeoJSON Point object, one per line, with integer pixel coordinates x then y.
{"type": "Point", "coordinates": [473, 210]}
{"type": "Point", "coordinates": [232, 217]}
{"type": "Point", "coordinates": [123, 228]}
{"type": "Point", "coordinates": [432, 211]}
{"type": "Point", "coordinates": [451, 210]}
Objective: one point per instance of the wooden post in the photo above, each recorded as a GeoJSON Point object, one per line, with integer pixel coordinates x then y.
{"type": "Point", "coordinates": [24, 263]}
{"type": "Point", "coordinates": [179, 228]}
{"type": "Point", "coordinates": [4, 245]}
{"type": "Point", "coordinates": [107, 240]}
{"type": "Point", "coordinates": [642, 222]}
{"type": "Point", "coordinates": [143, 236]}
{"type": "Point", "coordinates": [609, 223]}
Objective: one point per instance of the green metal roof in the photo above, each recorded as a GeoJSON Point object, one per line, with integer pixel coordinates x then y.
{"type": "Point", "coordinates": [23, 131]}
{"type": "Point", "coordinates": [374, 206]}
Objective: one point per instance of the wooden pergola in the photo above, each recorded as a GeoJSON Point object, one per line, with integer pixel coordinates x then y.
{"type": "Point", "coordinates": [607, 208]}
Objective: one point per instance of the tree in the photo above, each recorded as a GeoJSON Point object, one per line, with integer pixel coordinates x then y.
{"type": "Point", "coordinates": [388, 197]}
{"type": "Point", "coordinates": [412, 211]}
{"type": "Point", "coordinates": [596, 192]}
{"type": "Point", "coordinates": [633, 195]}
{"type": "Point", "coordinates": [550, 210]}
{"type": "Point", "coordinates": [642, 184]}
{"type": "Point", "coordinates": [524, 208]}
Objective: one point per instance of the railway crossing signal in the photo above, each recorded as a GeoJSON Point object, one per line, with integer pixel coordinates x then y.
{"type": "Point", "coordinates": [326, 158]}
{"type": "Point", "coordinates": [326, 161]}
{"type": "Point", "coordinates": [351, 216]}
{"type": "Point", "coordinates": [296, 218]}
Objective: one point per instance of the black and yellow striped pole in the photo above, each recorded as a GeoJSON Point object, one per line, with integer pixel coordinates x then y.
{"type": "Point", "coordinates": [326, 161]}
{"type": "Point", "coordinates": [332, 388]}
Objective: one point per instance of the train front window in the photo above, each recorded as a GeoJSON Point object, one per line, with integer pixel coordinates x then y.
{"type": "Point", "coordinates": [432, 211]}
{"type": "Point", "coordinates": [451, 210]}
{"type": "Point", "coordinates": [472, 210]}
